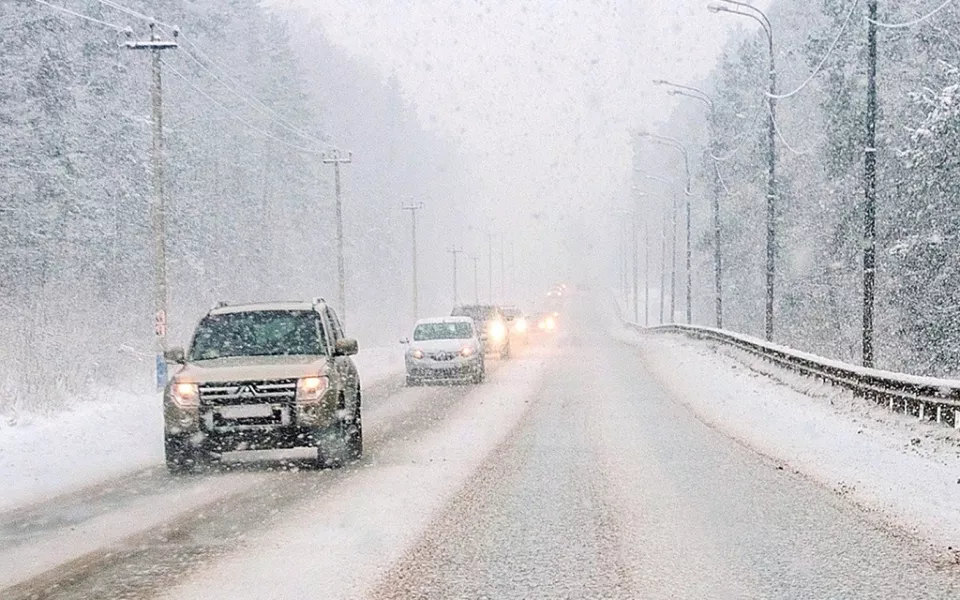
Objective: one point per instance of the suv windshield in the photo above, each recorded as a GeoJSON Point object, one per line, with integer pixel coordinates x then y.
{"type": "Point", "coordinates": [443, 331]}
{"type": "Point", "coordinates": [260, 333]}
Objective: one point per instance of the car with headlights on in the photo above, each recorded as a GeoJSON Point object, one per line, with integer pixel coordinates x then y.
{"type": "Point", "coordinates": [445, 349]}
{"type": "Point", "coordinates": [516, 323]}
{"type": "Point", "coordinates": [262, 377]}
{"type": "Point", "coordinates": [491, 326]}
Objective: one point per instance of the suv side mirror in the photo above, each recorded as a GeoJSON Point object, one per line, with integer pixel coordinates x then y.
{"type": "Point", "coordinates": [346, 347]}
{"type": "Point", "coordinates": [405, 341]}
{"type": "Point", "coordinates": [175, 355]}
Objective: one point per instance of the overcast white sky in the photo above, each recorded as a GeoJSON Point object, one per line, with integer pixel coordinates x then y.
{"type": "Point", "coordinates": [540, 94]}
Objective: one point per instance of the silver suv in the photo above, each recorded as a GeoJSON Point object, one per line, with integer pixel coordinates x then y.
{"type": "Point", "coordinates": [264, 376]}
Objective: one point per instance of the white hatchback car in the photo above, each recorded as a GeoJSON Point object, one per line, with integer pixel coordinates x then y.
{"type": "Point", "coordinates": [445, 349]}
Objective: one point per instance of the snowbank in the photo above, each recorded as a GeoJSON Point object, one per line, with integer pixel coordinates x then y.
{"type": "Point", "coordinates": [906, 469]}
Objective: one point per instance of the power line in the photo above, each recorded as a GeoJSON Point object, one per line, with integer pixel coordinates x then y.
{"type": "Point", "coordinates": [133, 13]}
{"type": "Point", "coordinates": [743, 139]}
{"type": "Point", "coordinates": [247, 97]}
{"type": "Point", "coordinates": [776, 127]}
{"type": "Point", "coordinates": [916, 21]}
{"type": "Point", "coordinates": [237, 117]}
{"type": "Point", "coordinates": [237, 89]}
{"type": "Point", "coordinates": [82, 16]}
{"type": "Point", "coordinates": [823, 61]}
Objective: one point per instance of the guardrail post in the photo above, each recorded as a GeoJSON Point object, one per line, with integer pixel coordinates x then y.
{"type": "Point", "coordinates": [956, 419]}
{"type": "Point", "coordinates": [922, 412]}
{"type": "Point", "coordinates": [891, 404]}
{"type": "Point", "coordinates": [939, 414]}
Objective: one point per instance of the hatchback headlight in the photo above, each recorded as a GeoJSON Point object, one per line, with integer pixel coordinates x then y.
{"type": "Point", "coordinates": [417, 353]}
{"type": "Point", "coordinates": [185, 395]}
{"type": "Point", "coordinates": [311, 389]}
{"type": "Point", "coordinates": [468, 351]}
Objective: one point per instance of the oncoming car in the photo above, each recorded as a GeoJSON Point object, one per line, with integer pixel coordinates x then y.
{"type": "Point", "coordinates": [445, 349]}
{"type": "Point", "coordinates": [262, 377]}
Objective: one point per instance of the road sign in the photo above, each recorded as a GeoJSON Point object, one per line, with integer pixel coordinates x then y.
{"type": "Point", "coordinates": [162, 374]}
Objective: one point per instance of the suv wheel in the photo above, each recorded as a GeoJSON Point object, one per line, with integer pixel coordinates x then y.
{"type": "Point", "coordinates": [180, 455]}
{"type": "Point", "coordinates": [355, 432]}
{"type": "Point", "coordinates": [343, 443]}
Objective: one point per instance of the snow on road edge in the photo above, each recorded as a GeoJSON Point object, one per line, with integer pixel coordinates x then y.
{"type": "Point", "coordinates": [46, 455]}
{"type": "Point", "coordinates": [823, 434]}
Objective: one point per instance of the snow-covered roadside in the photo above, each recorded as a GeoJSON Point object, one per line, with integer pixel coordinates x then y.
{"type": "Point", "coordinates": [46, 455]}
{"type": "Point", "coordinates": [384, 507]}
{"type": "Point", "coordinates": [907, 470]}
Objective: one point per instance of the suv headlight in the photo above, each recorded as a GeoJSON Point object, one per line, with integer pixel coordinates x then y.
{"type": "Point", "coordinates": [467, 351]}
{"type": "Point", "coordinates": [417, 353]}
{"type": "Point", "coordinates": [185, 395]}
{"type": "Point", "coordinates": [311, 389]}
{"type": "Point", "coordinates": [520, 325]}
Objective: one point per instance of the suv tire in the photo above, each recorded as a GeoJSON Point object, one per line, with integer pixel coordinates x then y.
{"type": "Point", "coordinates": [343, 444]}
{"type": "Point", "coordinates": [355, 432]}
{"type": "Point", "coordinates": [180, 456]}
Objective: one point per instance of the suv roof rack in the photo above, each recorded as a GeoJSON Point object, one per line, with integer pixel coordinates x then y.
{"type": "Point", "coordinates": [319, 300]}
{"type": "Point", "coordinates": [219, 304]}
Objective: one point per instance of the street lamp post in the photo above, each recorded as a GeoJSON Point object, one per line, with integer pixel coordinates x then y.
{"type": "Point", "coordinates": [646, 265]}
{"type": "Point", "coordinates": [760, 17]}
{"type": "Point", "coordinates": [674, 143]}
{"type": "Point", "coordinates": [870, 190]}
{"type": "Point", "coordinates": [701, 96]}
{"type": "Point", "coordinates": [632, 231]}
{"type": "Point", "coordinates": [663, 246]}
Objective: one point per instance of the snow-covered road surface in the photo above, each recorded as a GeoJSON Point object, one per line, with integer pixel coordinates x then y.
{"type": "Point", "coordinates": [573, 473]}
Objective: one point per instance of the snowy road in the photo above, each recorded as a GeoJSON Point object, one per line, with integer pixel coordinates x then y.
{"type": "Point", "coordinates": [571, 474]}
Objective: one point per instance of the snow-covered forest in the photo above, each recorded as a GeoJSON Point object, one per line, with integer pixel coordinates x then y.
{"type": "Point", "coordinates": [820, 206]}
{"type": "Point", "coordinates": [250, 103]}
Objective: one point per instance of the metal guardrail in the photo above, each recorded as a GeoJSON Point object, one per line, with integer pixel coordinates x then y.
{"type": "Point", "coordinates": [926, 398]}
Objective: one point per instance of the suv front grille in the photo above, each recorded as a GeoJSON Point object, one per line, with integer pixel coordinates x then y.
{"type": "Point", "coordinates": [280, 391]}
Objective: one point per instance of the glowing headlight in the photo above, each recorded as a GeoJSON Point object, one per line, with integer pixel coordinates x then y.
{"type": "Point", "coordinates": [310, 389]}
{"type": "Point", "coordinates": [417, 354]}
{"type": "Point", "coordinates": [468, 351]}
{"type": "Point", "coordinates": [520, 325]}
{"type": "Point", "coordinates": [497, 331]}
{"type": "Point", "coordinates": [185, 395]}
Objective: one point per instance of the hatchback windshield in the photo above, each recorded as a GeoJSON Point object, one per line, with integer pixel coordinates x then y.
{"type": "Point", "coordinates": [443, 331]}
{"type": "Point", "coordinates": [261, 333]}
